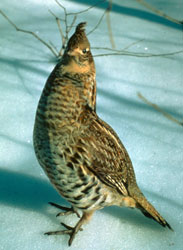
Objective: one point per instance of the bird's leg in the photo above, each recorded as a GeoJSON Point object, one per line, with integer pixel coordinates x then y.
{"type": "Point", "coordinates": [67, 210]}
{"type": "Point", "coordinates": [72, 231]}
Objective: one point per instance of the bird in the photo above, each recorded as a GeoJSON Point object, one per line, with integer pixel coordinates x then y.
{"type": "Point", "coordinates": [80, 153]}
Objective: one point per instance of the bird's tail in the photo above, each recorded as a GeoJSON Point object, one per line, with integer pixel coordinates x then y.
{"type": "Point", "coordinates": [149, 211]}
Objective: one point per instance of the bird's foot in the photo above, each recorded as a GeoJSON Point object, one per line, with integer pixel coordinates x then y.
{"type": "Point", "coordinates": [67, 210]}
{"type": "Point", "coordinates": [71, 231]}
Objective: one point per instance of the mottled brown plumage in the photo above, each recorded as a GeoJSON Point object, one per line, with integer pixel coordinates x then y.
{"type": "Point", "coordinates": [81, 154]}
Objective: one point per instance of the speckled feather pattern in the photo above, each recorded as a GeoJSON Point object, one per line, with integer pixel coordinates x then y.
{"type": "Point", "coordinates": [81, 154]}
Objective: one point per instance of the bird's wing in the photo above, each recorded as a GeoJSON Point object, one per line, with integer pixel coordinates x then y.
{"type": "Point", "coordinates": [104, 154]}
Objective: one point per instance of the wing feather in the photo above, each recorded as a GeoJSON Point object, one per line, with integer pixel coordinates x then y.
{"type": "Point", "coordinates": [105, 155]}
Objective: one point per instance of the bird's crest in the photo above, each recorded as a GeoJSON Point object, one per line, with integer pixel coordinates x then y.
{"type": "Point", "coordinates": [79, 37]}
{"type": "Point", "coordinates": [81, 27]}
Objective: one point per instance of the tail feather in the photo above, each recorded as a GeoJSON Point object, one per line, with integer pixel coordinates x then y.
{"type": "Point", "coordinates": [149, 211]}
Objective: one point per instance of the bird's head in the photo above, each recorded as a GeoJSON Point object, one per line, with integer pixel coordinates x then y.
{"type": "Point", "coordinates": [78, 50]}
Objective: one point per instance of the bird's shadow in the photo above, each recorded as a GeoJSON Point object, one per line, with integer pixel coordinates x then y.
{"type": "Point", "coordinates": [27, 192]}
{"type": "Point", "coordinates": [31, 193]}
{"type": "Point", "coordinates": [133, 217]}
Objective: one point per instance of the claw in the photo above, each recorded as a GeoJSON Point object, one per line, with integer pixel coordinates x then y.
{"type": "Point", "coordinates": [69, 227]}
{"type": "Point", "coordinates": [68, 210]}
{"type": "Point", "coordinates": [72, 231]}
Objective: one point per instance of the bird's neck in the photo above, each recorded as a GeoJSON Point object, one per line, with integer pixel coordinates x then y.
{"type": "Point", "coordinates": [82, 78]}
{"type": "Point", "coordinates": [66, 95]}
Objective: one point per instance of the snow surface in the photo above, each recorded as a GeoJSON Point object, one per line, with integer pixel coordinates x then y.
{"type": "Point", "coordinates": [154, 143]}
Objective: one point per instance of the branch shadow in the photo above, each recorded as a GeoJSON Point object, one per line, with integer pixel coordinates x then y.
{"type": "Point", "coordinates": [23, 69]}
{"type": "Point", "coordinates": [25, 64]}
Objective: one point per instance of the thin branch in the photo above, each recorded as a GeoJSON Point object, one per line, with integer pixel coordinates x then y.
{"type": "Point", "coordinates": [64, 37]}
{"type": "Point", "coordinates": [61, 6]}
{"type": "Point", "coordinates": [60, 53]}
{"type": "Point", "coordinates": [127, 53]}
{"type": "Point", "coordinates": [160, 13]}
{"type": "Point", "coordinates": [59, 26]}
{"type": "Point", "coordinates": [99, 22]}
{"type": "Point", "coordinates": [89, 8]}
{"type": "Point", "coordinates": [67, 28]}
{"type": "Point", "coordinates": [53, 45]}
{"type": "Point", "coordinates": [29, 32]}
{"type": "Point", "coordinates": [156, 107]}
{"type": "Point", "coordinates": [65, 19]}
{"type": "Point", "coordinates": [106, 48]}
{"type": "Point", "coordinates": [53, 14]}
{"type": "Point", "coordinates": [72, 24]}
{"type": "Point", "coordinates": [121, 50]}
{"type": "Point", "coordinates": [132, 44]}
{"type": "Point", "coordinates": [109, 24]}
{"type": "Point", "coordinates": [61, 32]}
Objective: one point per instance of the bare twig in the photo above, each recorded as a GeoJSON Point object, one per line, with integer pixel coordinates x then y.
{"type": "Point", "coordinates": [61, 33]}
{"type": "Point", "coordinates": [67, 27]}
{"type": "Point", "coordinates": [72, 24]}
{"type": "Point", "coordinates": [64, 35]}
{"type": "Point", "coordinates": [119, 50]}
{"type": "Point", "coordinates": [106, 48]}
{"type": "Point", "coordinates": [160, 13]}
{"type": "Point", "coordinates": [53, 45]}
{"type": "Point", "coordinates": [132, 44]}
{"type": "Point", "coordinates": [156, 107]}
{"type": "Point", "coordinates": [89, 8]}
{"type": "Point", "coordinates": [53, 14]}
{"type": "Point", "coordinates": [61, 6]}
{"type": "Point", "coordinates": [29, 32]}
{"type": "Point", "coordinates": [99, 22]}
{"type": "Point", "coordinates": [109, 24]}
{"type": "Point", "coordinates": [127, 53]}
{"type": "Point", "coordinates": [65, 21]}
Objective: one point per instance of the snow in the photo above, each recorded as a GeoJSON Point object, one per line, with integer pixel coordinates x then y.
{"type": "Point", "coordinates": [153, 142]}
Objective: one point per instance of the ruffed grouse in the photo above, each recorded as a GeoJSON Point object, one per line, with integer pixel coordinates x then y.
{"type": "Point", "coordinates": [81, 154]}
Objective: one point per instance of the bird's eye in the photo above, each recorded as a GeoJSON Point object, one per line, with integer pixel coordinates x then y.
{"type": "Point", "coordinates": [84, 51]}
